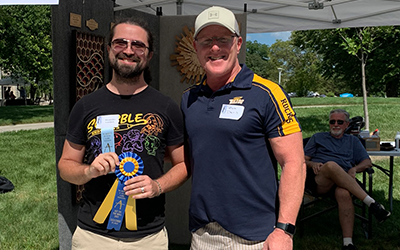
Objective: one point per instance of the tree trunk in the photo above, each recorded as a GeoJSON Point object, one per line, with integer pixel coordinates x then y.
{"type": "Point", "coordinates": [32, 92]}
{"type": "Point", "coordinates": [364, 89]}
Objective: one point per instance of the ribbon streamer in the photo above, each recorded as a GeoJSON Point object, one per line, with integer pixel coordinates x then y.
{"type": "Point", "coordinates": [116, 203]}
{"type": "Point", "coordinates": [107, 140]}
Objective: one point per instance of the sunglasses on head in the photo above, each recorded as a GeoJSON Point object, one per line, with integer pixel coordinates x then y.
{"type": "Point", "coordinates": [339, 122]}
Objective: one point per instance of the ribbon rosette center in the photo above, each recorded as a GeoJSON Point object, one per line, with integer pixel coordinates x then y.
{"type": "Point", "coordinates": [131, 165]}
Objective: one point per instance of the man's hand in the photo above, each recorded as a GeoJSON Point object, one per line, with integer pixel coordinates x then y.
{"type": "Point", "coordinates": [141, 187]}
{"type": "Point", "coordinates": [316, 166]}
{"type": "Point", "coordinates": [278, 240]}
{"type": "Point", "coordinates": [102, 165]}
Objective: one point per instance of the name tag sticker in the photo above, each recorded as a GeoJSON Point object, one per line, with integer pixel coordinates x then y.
{"type": "Point", "coordinates": [107, 121]}
{"type": "Point", "coordinates": [231, 112]}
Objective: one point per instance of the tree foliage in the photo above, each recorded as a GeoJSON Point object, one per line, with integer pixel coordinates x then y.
{"type": "Point", "coordinates": [335, 64]}
{"type": "Point", "coordinates": [360, 43]}
{"type": "Point", "coordinates": [340, 55]}
{"type": "Point", "coordinates": [299, 67]}
{"type": "Point", "coordinates": [25, 43]}
{"type": "Point", "coordinates": [383, 67]}
{"type": "Point", "coordinates": [257, 58]}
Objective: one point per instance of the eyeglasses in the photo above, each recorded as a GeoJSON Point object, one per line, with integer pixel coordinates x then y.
{"type": "Point", "coordinates": [121, 44]}
{"type": "Point", "coordinates": [339, 122]}
{"type": "Point", "coordinates": [220, 41]}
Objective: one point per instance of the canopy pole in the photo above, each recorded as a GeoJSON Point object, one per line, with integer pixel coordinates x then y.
{"type": "Point", "coordinates": [179, 7]}
{"type": "Point", "coordinates": [336, 20]}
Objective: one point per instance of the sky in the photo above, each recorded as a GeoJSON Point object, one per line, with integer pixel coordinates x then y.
{"type": "Point", "coordinates": [268, 38]}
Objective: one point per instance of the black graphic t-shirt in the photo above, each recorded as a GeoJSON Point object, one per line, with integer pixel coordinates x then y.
{"type": "Point", "coordinates": [148, 122]}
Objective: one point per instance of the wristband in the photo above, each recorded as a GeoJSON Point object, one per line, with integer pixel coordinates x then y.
{"type": "Point", "coordinates": [287, 227]}
{"type": "Point", "coordinates": [159, 188]}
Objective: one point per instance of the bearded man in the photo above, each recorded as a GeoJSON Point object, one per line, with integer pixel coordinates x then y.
{"type": "Point", "coordinates": [111, 115]}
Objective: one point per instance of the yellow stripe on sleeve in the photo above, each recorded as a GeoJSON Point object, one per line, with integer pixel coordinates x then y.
{"type": "Point", "coordinates": [282, 106]}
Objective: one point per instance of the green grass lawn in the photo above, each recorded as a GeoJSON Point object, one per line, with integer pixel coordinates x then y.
{"type": "Point", "coordinates": [11, 115]}
{"type": "Point", "coordinates": [384, 113]}
{"type": "Point", "coordinates": [28, 215]}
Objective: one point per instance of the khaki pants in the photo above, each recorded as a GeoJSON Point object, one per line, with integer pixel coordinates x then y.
{"type": "Point", "coordinates": [213, 236]}
{"type": "Point", "coordinates": [86, 240]}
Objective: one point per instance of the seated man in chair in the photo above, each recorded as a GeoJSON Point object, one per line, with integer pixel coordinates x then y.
{"type": "Point", "coordinates": [333, 159]}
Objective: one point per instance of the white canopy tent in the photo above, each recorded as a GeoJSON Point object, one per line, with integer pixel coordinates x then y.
{"type": "Point", "coordinates": [284, 15]}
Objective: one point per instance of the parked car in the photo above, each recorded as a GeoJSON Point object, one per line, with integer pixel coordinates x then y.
{"type": "Point", "coordinates": [312, 94]}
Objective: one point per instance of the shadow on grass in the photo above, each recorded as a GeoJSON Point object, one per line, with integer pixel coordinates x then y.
{"type": "Point", "coordinates": [313, 123]}
{"type": "Point", "coordinates": [11, 115]}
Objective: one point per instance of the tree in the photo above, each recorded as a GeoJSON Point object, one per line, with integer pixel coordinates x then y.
{"type": "Point", "coordinates": [384, 67]}
{"type": "Point", "coordinates": [344, 51]}
{"type": "Point", "coordinates": [306, 75]}
{"type": "Point", "coordinates": [257, 58]}
{"type": "Point", "coordinates": [299, 67]}
{"type": "Point", "coordinates": [335, 65]}
{"type": "Point", "coordinates": [25, 43]}
{"type": "Point", "coordinates": [282, 55]}
{"type": "Point", "coordinates": [360, 42]}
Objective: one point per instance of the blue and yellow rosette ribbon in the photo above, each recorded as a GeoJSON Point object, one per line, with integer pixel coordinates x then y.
{"type": "Point", "coordinates": [116, 203]}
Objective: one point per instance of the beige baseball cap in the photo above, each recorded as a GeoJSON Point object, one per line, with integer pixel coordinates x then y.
{"type": "Point", "coordinates": [216, 16]}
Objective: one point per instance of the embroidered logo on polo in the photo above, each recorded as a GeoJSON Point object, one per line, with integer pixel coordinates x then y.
{"type": "Point", "coordinates": [236, 100]}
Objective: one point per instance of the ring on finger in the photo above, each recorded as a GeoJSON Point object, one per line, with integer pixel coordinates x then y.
{"type": "Point", "coordinates": [142, 188]}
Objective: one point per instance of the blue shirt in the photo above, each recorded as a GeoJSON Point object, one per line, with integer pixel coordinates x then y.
{"type": "Point", "coordinates": [346, 151]}
{"type": "Point", "coordinates": [234, 181]}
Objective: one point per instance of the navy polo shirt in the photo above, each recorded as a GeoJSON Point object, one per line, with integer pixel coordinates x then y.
{"type": "Point", "coordinates": [347, 151]}
{"type": "Point", "coordinates": [233, 180]}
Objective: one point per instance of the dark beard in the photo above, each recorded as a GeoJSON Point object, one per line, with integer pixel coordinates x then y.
{"type": "Point", "coordinates": [127, 72]}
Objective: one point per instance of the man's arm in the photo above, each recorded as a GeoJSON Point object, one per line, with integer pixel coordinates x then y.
{"type": "Point", "coordinates": [360, 167]}
{"type": "Point", "coordinates": [179, 173]}
{"type": "Point", "coordinates": [288, 150]}
{"type": "Point", "coordinates": [73, 170]}
{"type": "Point", "coordinates": [363, 165]}
{"type": "Point", "coordinates": [361, 158]}
{"type": "Point", "coordinates": [171, 180]}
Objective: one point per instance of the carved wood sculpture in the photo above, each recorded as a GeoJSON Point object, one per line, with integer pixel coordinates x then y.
{"type": "Point", "coordinates": [185, 58]}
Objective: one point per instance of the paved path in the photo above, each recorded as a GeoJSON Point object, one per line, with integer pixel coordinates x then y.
{"type": "Point", "coordinates": [26, 126]}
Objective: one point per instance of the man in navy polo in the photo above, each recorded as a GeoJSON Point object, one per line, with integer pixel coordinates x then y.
{"type": "Point", "coordinates": [231, 117]}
